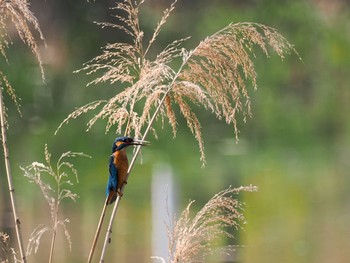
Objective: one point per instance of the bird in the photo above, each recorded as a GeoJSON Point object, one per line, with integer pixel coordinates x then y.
{"type": "Point", "coordinates": [118, 166]}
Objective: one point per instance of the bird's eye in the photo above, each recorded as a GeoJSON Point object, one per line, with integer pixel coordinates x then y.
{"type": "Point", "coordinates": [127, 140]}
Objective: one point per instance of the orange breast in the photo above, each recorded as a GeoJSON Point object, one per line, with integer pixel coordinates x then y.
{"type": "Point", "coordinates": [122, 164]}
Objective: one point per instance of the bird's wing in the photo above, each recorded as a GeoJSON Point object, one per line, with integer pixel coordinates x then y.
{"type": "Point", "coordinates": [112, 184]}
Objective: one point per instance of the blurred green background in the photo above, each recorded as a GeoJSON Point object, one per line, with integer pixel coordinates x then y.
{"type": "Point", "coordinates": [296, 148]}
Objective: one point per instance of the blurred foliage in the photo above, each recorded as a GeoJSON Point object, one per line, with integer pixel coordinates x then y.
{"type": "Point", "coordinates": [295, 148]}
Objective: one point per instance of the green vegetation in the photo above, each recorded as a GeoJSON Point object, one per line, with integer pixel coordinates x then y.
{"type": "Point", "coordinates": [295, 149]}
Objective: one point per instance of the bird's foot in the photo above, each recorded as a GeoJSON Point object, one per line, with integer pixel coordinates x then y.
{"type": "Point", "coordinates": [119, 193]}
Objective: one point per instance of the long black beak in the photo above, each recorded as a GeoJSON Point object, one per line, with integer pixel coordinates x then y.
{"type": "Point", "coordinates": [140, 142]}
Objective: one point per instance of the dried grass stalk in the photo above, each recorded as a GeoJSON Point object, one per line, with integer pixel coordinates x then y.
{"type": "Point", "coordinates": [15, 14]}
{"type": "Point", "coordinates": [61, 173]}
{"type": "Point", "coordinates": [216, 75]}
{"type": "Point", "coordinates": [193, 239]}
{"type": "Point", "coordinates": [17, 222]}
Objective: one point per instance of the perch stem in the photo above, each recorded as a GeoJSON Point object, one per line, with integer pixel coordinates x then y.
{"type": "Point", "coordinates": [98, 230]}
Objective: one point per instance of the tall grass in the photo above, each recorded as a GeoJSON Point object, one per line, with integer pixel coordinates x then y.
{"type": "Point", "coordinates": [15, 13]}
{"type": "Point", "coordinates": [61, 174]}
{"type": "Point", "coordinates": [192, 239]}
{"type": "Point", "coordinates": [217, 75]}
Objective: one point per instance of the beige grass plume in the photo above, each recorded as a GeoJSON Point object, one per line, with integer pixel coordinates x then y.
{"type": "Point", "coordinates": [16, 13]}
{"type": "Point", "coordinates": [62, 176]}
{"type": "Point", "coordinates": [192, 239]}
{"type": "Point", "coordinates": [216, 75]}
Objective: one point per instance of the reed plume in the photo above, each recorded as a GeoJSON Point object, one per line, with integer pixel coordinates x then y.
{"type": "Point", "coordinates": [216, 75]}
{"type": "Point", "coordinates": [17, 13]}
{"type": "Point", "coordinates": [192, 239]}
{"type": "Point", "coordinates": [61, 173]}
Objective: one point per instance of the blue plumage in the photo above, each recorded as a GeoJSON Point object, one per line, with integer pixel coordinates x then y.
{"type": "Point", "coordinates": [118, 167]}
{"type": "Point", "coordinates": [112, 184]}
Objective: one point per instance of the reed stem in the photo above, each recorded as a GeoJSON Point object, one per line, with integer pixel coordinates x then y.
{"type": "Point", "coordinates": [98, 230]}
{"type": "Point", "coordinates": [9, 177]}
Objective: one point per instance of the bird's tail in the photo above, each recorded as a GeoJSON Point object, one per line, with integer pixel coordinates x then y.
{"type": "Point", "coordinates": [112, 196]}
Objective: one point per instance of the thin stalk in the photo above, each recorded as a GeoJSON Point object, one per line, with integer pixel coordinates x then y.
{"type": "Point", "coordinates": [53, 239]}
{"type": "Point", "coordinates": [137, 151]}
{"type": "Point", "coordinates": [52, 245]}
{"type": "Point", "coordinates": [109, 229]}
{"type": "Point", "coordinates": [9, 178]}
{"type": "Point", "coordinates": [55, 212]}
{"type": "Point", "coordinates": [98, 230]}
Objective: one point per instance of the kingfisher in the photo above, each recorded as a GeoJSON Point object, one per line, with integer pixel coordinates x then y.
{"type": "Point", "coordinates": [118, 166]}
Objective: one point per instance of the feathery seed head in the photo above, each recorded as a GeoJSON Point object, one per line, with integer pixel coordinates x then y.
{"type": "Point", "coordinates": [216, 75]}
